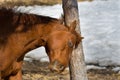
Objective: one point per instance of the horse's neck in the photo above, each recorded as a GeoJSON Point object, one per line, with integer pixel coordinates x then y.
{"type": "Point", "coordinates": [31, 43]}
{"type": "Point", "coordinates": [35, 37]}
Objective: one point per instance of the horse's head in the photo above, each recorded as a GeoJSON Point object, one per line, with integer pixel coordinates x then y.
{"type": "Point", "coordinates": [59, 46]}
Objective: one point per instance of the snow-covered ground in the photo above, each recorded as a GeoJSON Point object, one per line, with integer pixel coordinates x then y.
{"type": "Point", "coordinates": [100, 25]}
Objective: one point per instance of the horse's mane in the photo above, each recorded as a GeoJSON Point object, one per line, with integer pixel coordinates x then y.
{"type": "Point", "coordinates": [10, 20]}
{"type": "Point", "coordinates": [24, 18]}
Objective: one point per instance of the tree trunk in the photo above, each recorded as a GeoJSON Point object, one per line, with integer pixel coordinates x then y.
{"type": "Point", "coordinates": [77, 65]}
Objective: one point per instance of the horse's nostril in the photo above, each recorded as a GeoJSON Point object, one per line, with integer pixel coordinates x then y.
{"type": "Point", "coordinates": [61, 67]}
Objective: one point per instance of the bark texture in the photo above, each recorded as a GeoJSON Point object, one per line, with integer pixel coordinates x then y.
{"type": "Point", "coordinates": [77, 64]}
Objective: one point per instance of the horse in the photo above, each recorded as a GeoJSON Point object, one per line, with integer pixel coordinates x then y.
{"type": "Point", "coordinates": [22, 32]}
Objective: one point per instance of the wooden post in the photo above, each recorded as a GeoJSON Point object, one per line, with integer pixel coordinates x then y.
{"type": "Point", "coordinates": [77, 64]}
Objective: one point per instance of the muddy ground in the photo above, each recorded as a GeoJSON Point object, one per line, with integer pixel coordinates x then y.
{"type": "Point", "coordinates": [39, 71]}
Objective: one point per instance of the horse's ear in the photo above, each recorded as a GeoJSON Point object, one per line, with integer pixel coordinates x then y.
{"type": "Point", "coordinates": [73, 26]}
{"type": "Point", "coordinates": [79, 39]}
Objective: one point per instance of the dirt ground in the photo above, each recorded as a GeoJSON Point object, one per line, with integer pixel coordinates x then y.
{"type": "Point", "coordinates": [39, 71]}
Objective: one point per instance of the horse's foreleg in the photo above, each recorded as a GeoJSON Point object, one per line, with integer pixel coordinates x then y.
{"type": "Point", "coordinates": [18, 76]}
{"type": "Point", "coordinates": [0, 76]}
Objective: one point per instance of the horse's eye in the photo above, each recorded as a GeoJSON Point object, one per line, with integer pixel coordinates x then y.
{"type": "Point", "coordinates": [70, 44]}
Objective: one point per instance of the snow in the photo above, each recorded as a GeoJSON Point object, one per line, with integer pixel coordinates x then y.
{"type": "Point", "coordinates": [116, 69]}
{"type": "Point", "coordinates": [53, 11]}
{"type": "Point", "coordinates": [37, 54]}
{"type": "Point", "coordinates": [100, 25]}
{"type": "Point", "coordinates": [97, 67]}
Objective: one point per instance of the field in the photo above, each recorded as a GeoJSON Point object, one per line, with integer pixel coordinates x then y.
{"type": "Point", "coordinates": [39, 71]}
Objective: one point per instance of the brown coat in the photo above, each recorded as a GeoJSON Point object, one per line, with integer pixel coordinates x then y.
{"type": "Point", "coordinates": [21, 32]}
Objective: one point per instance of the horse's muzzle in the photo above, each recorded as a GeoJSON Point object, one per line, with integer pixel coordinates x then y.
{"type": "Point", "coordinates": [57, 67]}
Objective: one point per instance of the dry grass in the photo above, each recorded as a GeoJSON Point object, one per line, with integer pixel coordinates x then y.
{"type": "Point", "coordinates": [11, 3]}
{"type": "Point", "coordinates": [25, 3]}
{"type": "Point", "coordinates": [39, 71]}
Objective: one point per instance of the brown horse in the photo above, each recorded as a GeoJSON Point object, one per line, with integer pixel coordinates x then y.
{"type": "Point", "coordinates": [21, 32]}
